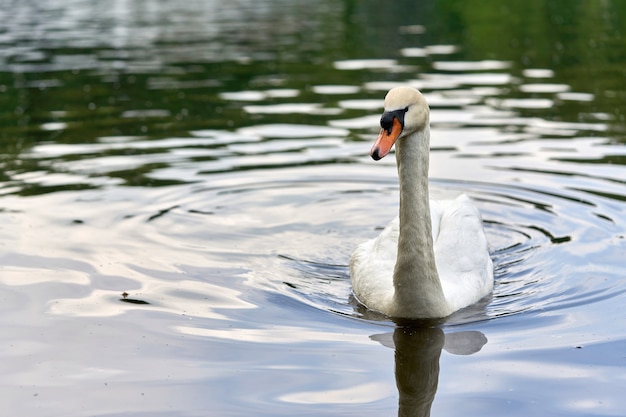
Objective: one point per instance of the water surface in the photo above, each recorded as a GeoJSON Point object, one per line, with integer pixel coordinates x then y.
{"type": "Point", "coordinates": [182, 185]}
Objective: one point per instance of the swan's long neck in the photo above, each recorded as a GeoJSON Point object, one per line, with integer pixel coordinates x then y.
{"type": "Point", "coordinates": [418, 291]}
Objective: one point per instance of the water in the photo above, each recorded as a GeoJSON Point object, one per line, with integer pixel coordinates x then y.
{"type": "Point", "coordinates": [183, 183]}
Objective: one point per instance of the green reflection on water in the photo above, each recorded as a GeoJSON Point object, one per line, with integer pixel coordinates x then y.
{"type": "Point", "coordinates": [171, 84]}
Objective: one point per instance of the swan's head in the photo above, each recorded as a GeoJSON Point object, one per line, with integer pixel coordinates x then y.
{"type": "Point", "coordinates": [406, 112]}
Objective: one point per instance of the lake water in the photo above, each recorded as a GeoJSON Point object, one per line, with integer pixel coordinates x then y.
{"type": "Point", "coordinates": [182, 185]}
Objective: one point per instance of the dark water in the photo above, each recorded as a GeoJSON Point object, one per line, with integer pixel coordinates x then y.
{"type": "Point", "coordinates": [182, 185]}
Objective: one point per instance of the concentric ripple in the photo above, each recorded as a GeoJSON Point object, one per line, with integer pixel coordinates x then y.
{"type": "Point", "coordinates": [550, 250]}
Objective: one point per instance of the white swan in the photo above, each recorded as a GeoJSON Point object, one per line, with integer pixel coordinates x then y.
{"type": "Point", "coordinates": [433, 258]}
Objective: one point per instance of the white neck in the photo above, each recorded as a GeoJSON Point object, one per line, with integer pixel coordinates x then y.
{"type": "Point", "coordinates": [418, 291]}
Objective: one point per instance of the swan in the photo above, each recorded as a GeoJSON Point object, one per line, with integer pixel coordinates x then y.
{"type": "Point", "coordinates": [432, 259]}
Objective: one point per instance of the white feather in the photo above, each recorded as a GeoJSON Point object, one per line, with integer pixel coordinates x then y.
{"type": "Point", "coordinates": [402, 279]}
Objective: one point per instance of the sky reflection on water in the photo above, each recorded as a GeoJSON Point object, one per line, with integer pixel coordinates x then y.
{"type": "Point", "coordinates": [210, 162]}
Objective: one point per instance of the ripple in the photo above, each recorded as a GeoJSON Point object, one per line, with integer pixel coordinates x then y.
{"type": "Point", "coordinates": [471, 65]}
{"type": "Point", "coordinates": [298, 236]}
{"type": "Point", "coordinates": [361, 64]}
{"type": "Point", "coordinates": [540, 240]}
{"type": "Point", "coordinates": [480, 78]}
{"type": "Point", "coordinates": [362, 104]}
{"type": "Point", "coordinates": [414, 52]}
{"type": "Point", "coordinates": [211, 163]}
{"type": "Point", "coordinates": [243, 96]}
{"type": "Point", "coordinates": [544, 88]}
{"type": "Point", "coordinates": [522, 103]}
{"type": "Point", "coordinates": [180, 297]}
{"type": "Point", "coordinates": [292, 131]}
{"type": "Point", "coordinates": [361, 393]}
{"type": "Point", "coordinates": [335, 89]}
{"type": "Point", "coordinates": [365, 122]}
{"type": "Point", "coordinates": [288, 108]}
{"type": "Point", "coordinates": [573, 96]}
{"type": "Point", "coordinates": [51, 126]}
{"type": "Point", "coordinates": [256, 95]}
{"type": "Point", "coordinates": [538, 73]}
{"type": "Point", "coordinates": [385, 85]}
{"type": "Point", "coordinates": [442, 49]}
{"type": "Point", "coordinates": [146, 113]}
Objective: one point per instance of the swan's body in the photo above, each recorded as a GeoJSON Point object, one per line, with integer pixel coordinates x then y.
{"type": "Point", "coordinates": [433, 258]}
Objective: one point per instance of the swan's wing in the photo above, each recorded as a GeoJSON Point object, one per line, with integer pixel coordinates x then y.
{"type": "Point", "coordinates": [371, 268]}
{"type": "Point", "coordinates": [462, 254]}
{"type": "Point", "coordinates": [437, 209]}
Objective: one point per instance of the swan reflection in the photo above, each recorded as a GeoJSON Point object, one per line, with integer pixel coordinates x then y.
{"type": "Point", "coordinates": [417, 362]}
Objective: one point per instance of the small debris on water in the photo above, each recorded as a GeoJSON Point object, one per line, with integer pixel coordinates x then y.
{"type": "Point", "coordinates": [125, 299]}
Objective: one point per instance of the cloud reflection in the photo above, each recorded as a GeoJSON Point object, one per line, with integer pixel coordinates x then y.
{"type": "Point", "coordinates": [276, 335]}
{"type": "Point", "coordinates": [357, 394]}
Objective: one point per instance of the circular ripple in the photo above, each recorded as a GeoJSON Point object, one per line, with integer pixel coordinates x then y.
{"type": "Point", "coordinates": [552, 249]}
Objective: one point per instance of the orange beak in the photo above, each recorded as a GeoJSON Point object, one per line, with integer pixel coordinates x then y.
{"type": "Point", "coordinates": [385, 140]}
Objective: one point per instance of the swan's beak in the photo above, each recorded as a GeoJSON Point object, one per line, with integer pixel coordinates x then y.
{"type": "Point", "coordinates": [386, 139]}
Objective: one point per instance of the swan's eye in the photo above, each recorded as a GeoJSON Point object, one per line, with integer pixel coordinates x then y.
{"type": "Point", "coordinates": [386, 120]}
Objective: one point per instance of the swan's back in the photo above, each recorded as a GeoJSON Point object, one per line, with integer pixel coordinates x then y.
{"type": "Point", "coordinates": [371, 269]}
{"type": "Point", "coordinates": [461, 255]}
